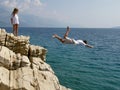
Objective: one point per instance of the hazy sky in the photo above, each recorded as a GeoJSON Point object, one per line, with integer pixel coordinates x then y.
{"type": "Point", "coordinates": [62, 13]}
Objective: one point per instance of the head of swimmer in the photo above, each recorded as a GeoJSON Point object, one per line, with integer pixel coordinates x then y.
{"type": "Point", "coordinates": [85, 41]}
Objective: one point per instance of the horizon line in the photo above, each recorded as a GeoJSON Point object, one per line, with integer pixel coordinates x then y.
{"type": "Point", "coordinates": [61, 27]}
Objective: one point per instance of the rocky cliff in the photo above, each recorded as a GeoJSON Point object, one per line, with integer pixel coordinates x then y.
{"type": "Point", "coordinates": [23, 66]}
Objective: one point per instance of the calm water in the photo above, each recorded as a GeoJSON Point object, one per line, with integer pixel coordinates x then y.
{"type": "Point", "coordinates": [78, 67]}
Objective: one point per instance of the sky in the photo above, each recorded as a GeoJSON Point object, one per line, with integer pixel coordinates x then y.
{"type": "Point", "coordinates": [62, 13]}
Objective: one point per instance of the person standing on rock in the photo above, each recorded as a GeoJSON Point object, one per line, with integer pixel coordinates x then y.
{"type": "Point", "coordinates": [15, 21]}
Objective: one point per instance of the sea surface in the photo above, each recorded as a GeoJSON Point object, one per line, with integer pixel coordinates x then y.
{"type": "Point", "coordinates": [79, 67]}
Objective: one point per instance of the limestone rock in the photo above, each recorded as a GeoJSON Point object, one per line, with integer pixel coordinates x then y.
{"type": "Point", "coordinates": [4, 78]}
{"type": "Point", "coordinates": [23, 66]}
{"type": "Point", "coordinates": [25, 61]}
{"type": "Point", "coordinates": [40, 65]}
{"type": "Point", "coordinates": [10, 60]}
{"type": "Point", "coordinates": [37, 51]}
{"type": "Point", "coordinates": [2, 36]}
{"type": "Point", "coordinates": [7, 57]}
{"type": "Point", "coordinates": [18, 44]}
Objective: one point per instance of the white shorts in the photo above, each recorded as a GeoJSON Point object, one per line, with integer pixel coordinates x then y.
{"type": "Point", "coordinates": [78, 42]}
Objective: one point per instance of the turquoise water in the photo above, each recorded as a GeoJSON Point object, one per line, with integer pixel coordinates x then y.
{"type": "Point", "coordinates": [78, 67]}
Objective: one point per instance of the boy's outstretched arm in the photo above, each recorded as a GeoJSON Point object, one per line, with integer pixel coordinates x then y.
{"type": "Point", "coordinates": [89, 46]}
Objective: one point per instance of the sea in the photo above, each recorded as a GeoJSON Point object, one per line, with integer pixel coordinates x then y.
{"type": "Point", "coordinates": [78, 67]}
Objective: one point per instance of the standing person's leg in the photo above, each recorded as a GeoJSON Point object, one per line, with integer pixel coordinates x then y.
{"type": "Point", "coordinates": [58, 37]}
{"type": "Point", "coordinates": [16, 29]}
{"type": "Point", "coordinates": [67, 32]}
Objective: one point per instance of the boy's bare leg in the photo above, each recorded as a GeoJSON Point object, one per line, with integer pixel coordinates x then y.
{"type": "Point", "coordinates": [58, 37]}
{"type": "Point", "coordinates": [16, 29]}
{"type": "Point", "coordinates": [67, 32]}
